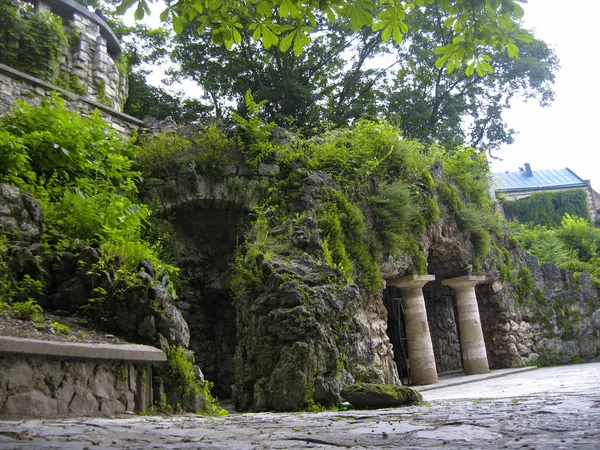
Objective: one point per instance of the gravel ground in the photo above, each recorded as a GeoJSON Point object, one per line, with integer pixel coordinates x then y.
{"type": "Point", "coordinates": [78, 329]}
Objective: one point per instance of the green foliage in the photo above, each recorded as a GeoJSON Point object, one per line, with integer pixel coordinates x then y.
{"type": "Point", "coordinates": [162, 154]}
{"type": "Point", "coordinates": [70, 82]}
{"type": "Point", "coordinates": [248, 274]}
{"type": "Point", "coordinates": [33, 44]}
{"type": "Point", "coordinates": [480, 223]}
{"type": "Point", "coordinates": [469, 169]}
{"type": "Point", "coordinates": [458, 107]}
{"type": "Point", "coordinates": [181, 370]}
{"type": "Point", "coordinates": [228, 20]}
{"type": "Point", "coordinates": [573, 245]}
{"type": "Point", "coordinates": [255, 133]}
{"type": "Point", "coordinates": [524, 285]}
{"type": "Point", "coordinates": [342, 227]}
{"type": "Point", "coordinates": [28, 310]}
{"type": "Point", "coordinates": [579, 235]}
{"type": "Point", "coordinates": [548, 208]}
{"type": "Point", "coordinates": [101, 94]}
{"type": "Point", "coordinates": [145, 100]}
{"type": "Point", "coordinates": [353, 155]}
{"type": "Point", "coordinates": [81, 173]}
{"type": "Point", "coordinates": [59, 328]}
{"type": "Point", "coordinates": [396, 210]}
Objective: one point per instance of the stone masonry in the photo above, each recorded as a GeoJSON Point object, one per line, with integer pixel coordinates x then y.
{"type": "Point", "coordinates": [49, 379]}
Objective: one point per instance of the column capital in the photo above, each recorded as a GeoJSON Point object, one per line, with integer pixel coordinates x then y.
{"type": "Point", "coordinates": [464, 281]}
{"type": "Point", "coordinates": [411, 281]}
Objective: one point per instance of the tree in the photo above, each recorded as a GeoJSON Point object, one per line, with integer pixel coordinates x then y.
{"type": "Point", "coordinates": [327, 83]}
{"type": "Point", "coordinates": [287, 24]}
{"type": "Point", "coordinates": [146, 46]}
{"type": "Point", "coordinates": [463, 107]}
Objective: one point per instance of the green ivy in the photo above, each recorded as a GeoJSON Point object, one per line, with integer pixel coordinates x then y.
{"type": "Point", "coordinates": [32, 45]}
{"type": "Point", "coordinates": [70, 82]}
{"type": "Point", "coordinates": [549, 208]}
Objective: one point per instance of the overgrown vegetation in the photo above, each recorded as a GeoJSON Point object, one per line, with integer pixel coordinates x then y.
{"type": "Point", "coordinates": [573, 245]}
{"type": "Point", "coordinates": [31, 44]}
{"type": "Point", "coordinates": [81, 172]}
{"type": "Point", "coordinates": [549, 208]}
{"type": "Point", "coordinates": [376, 177]}
{"type": "Point", "coordinates": [181, 370]}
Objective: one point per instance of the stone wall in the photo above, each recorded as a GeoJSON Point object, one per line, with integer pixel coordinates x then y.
{"type": "Point", "coordinates": [15, 85]}
{"type": "Point", "coordinates": [49, 379]}
{"type": "Point", "coordinates": [443, 326]}
{"type": "Point", "coordinates": [555, 324]}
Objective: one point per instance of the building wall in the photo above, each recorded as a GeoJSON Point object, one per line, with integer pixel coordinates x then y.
{"type": "Point", "coordinates": [592, 200]}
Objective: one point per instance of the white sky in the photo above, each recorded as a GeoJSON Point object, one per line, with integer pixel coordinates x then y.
{"type": "Point", "coordinates": [564, 134]}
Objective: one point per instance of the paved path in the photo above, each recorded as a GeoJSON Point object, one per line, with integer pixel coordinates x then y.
{"type": "Point", "coordinates": [552, 408]}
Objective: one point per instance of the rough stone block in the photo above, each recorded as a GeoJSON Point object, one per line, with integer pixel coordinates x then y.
{"type": "Point", "coordinates": [19, 375]}
{"type": "Point", "coordinates": [102, 384]}
{"type": "Point", "coordinates": [83, 403]}
{"type": "Point", "coordinates": [29, 404]}
{"type": "Point", "coordinates": [111, 406]}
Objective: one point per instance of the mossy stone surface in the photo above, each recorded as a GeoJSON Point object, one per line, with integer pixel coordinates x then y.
{"type": "Point", "coordinates": [373, 396]}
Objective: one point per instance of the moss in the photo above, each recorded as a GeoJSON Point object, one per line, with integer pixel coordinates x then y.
{"type": "Point", "coordinates": [101, 94]}
{"type": "Point", "coordinates": [121, 372]}
{"type": "Point", "coordinates": [70, 82]}
{"type": "Point", "coordinates": [369, 395]}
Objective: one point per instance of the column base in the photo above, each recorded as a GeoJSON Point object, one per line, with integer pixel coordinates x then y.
{"type": "Point", "coordinates": [423, 377]}
{"type": "Point", "coordinates": [476, 366]}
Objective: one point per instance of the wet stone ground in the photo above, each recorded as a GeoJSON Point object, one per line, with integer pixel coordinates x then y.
{"type": "Point", "coordinates": [552, 408]}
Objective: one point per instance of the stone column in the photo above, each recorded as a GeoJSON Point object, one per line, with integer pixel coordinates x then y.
{"type": "Point", "coordinates": [472, 344]}
{"type": "Point", "coordinates": [420, 349]}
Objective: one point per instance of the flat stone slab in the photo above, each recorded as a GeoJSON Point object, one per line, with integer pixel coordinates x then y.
{"type": "Point", "coordinates": [33, 347]}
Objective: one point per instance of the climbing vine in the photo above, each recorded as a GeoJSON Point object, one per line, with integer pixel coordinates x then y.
{"type": "Point", "coordinates": [31, 43]}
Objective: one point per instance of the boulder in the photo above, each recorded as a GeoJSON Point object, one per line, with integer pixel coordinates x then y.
{"type": "Point", "coordinates": [373, 396]}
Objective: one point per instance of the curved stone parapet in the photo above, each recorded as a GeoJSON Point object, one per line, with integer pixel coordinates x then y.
{"type": "Point", "coordinates": [67, 8]}
{"type": "Point", "coordinates": [88, 65]}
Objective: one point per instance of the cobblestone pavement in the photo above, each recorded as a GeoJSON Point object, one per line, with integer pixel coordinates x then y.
{"type": "Point", "coordinates": [551, 408]}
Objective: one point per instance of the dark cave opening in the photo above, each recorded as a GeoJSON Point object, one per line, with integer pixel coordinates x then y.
{"type": "Point", "coordinates": [206, 242]}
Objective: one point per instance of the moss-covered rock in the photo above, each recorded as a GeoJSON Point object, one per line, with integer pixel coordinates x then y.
{"type": "Point", "coordinates": [372, 396]}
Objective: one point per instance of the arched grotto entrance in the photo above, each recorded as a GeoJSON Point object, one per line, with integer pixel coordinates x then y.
{"type": "Point", "coordinates": [206, 238]}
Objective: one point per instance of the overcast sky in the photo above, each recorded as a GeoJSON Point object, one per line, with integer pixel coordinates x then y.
{"type": "Point", "coordinates": [566, 133]}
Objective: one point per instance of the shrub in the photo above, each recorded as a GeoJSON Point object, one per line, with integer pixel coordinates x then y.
{"type": "Point", "coordinates": [28, 310]}
{"type": "Point", "coordinates": [181, 370]}
{"type": "Point", "coordinates": [81, 172]}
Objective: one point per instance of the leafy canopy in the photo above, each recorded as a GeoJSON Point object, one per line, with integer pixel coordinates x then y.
{"type": "Point", "coordinates": [288, 23]}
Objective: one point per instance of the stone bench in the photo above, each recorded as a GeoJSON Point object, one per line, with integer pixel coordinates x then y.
{"type": "Point", "coordinates": [50, 379]}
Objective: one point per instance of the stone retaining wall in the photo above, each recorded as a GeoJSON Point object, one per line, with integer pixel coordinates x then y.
{"type": "Point", "coordinates": [16, 85]}
{"type": "Point", "coordinates": [49, 379]}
